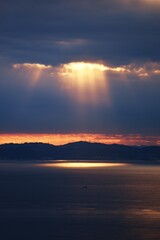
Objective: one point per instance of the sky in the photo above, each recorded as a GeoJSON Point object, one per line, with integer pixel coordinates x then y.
{"type": "Point", "coordinates": [80, 70]}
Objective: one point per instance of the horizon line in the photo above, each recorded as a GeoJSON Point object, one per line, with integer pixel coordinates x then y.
{"type": "Point", "coordinates": [107, 144]}
{"type": "Point", "coordinates": [58, 139]}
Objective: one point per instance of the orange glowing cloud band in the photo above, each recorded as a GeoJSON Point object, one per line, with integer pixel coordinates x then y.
{"type": "Point", "coordinates": [60, 139]}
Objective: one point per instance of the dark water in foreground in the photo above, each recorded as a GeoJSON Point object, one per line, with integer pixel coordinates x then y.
{"type": "Point", "coordinates": [108, 203]}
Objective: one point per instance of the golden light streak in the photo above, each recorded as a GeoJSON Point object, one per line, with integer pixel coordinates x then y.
{"type": "Point", "coordinates": [33, 70]}
{"type": "Point", "coordinates": [89, 82]}
{"type": "Point", "coordinates": [85, 81]}
{"type": "Point", "coordinates": [66, 164]}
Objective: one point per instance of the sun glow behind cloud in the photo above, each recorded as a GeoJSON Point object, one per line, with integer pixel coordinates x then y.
{"type": "Point", "coordinates": [87, 81]}
{"type": "Point", "coordinates": [84, 82]}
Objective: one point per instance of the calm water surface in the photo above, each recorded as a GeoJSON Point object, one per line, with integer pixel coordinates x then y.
{"type": "Point", "coordinates": [57, 202]}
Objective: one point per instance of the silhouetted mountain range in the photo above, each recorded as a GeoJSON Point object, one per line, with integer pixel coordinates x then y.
{"type": "Point", "coordinates": [78, 151]}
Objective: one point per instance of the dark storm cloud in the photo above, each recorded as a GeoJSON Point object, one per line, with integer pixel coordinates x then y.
{"type": "Point", "coordinates": [115, 31]}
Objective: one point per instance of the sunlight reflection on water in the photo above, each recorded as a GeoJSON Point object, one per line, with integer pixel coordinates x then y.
{"type": "Point", "coordinates": [66, 164]}
{"type": "Point", "coordinates": [82, 200]}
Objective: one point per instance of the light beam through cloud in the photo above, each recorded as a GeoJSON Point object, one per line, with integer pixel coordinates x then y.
{"type": "Point", "coordinates": [87, 81]}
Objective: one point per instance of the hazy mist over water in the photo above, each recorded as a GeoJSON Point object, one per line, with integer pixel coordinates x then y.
{"type": "Point", "coordinates": [81, 203]}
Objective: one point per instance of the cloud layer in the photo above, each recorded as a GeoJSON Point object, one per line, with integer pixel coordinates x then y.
{"type": "Point", "coordinates": [54, 32]}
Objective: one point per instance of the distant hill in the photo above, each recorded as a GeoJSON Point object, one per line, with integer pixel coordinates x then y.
{"type": "Point", "coordinates": [78, 151]}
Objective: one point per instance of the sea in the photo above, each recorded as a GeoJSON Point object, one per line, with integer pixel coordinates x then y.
{"type": "Point", "coordinates": [69, 200]}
